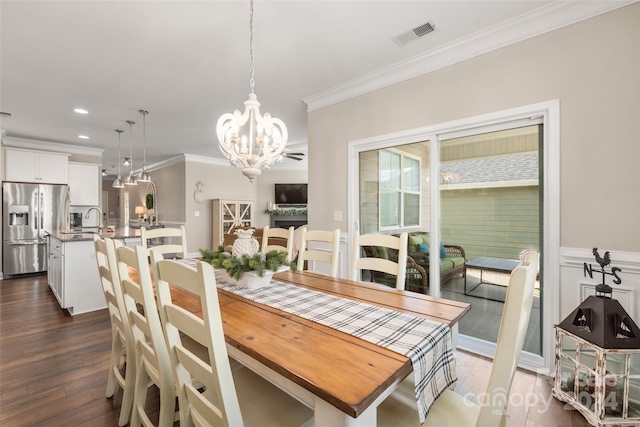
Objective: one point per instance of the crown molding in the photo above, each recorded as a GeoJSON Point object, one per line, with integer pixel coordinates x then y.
{"type": "Point", "coordinates": [183, 158]}
{"type": "Point", "coordinates": [206, 160]}
{"type": "Point", "coordinates": [34, 144]}
{"type": "Point", "coordinates": [539, 21]}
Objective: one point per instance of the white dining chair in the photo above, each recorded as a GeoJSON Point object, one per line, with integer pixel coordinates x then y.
{"type": "Point", "coordinates": [151, 354]}
{"type": "Point", "coordinates": [232, 397]}
{"type": "Point", "coordinates": [397, 268]}
{"type": "Point", "coordinates": [399, 409]}
{"type": "Point", "coordinates": [172, 240]}
{"type": "Point", "coordinates": [122, 346]}
{"type": "Point", "coordinates": [305, 254]}
{"type": "Point", "coordinates": [281, 233]}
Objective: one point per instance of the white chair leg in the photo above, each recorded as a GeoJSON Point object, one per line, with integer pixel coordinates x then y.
{"type": "Point", "coordinates": [116, 354]}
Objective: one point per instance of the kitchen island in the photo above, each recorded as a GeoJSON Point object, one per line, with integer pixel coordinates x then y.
{"type": "Point", "coordinates": [73, 271]}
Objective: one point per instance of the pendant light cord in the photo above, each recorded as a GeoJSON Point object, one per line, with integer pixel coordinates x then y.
{"type": "Point", "coordinates": [252, 82]}
{"type": "Point", "coordinates": [119, 132]}
{"type": "Point", "coordinates": [131, 123]}
{"type": "Point", "coordinates": [144, 138]}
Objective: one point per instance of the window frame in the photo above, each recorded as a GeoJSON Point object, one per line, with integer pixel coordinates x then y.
{"type": "Point", "coordinates": [401, 190]}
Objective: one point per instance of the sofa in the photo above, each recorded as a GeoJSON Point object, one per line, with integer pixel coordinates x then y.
{"type": "Point", "coordinates": [453, 262]}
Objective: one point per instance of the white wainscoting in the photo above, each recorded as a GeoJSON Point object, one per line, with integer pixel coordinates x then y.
{"type": "Point", "coordinates": [575, 287]}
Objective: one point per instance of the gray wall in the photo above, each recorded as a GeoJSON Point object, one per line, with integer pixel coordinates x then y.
{"type": "Point", "coordinates": [265, 193]}
{"type": "Point", "coordinates": [219, 182]}
{"type": "Point", "coordinates": [594, 74]}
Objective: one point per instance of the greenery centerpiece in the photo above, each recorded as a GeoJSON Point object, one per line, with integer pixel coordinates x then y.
{"type": "Point", "coordinates": [286, 211]}
{"type": "Point", "coordinates": [260, 265]}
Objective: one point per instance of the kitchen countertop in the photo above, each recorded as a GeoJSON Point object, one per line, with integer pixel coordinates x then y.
{"type": "Point", "coordinates": [79, 236]}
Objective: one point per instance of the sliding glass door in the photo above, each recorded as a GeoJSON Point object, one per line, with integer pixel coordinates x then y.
{"type": "Point", "coordinates": [490, 207]}
{"type": "Point", "coordinates": [475, 192]}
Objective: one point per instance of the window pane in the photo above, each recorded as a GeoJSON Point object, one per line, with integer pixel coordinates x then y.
{"type": "Point", "coordinates": [411, 180]}
{"type": "Point", "coordinates": [411, 210]}
{"type": "Point", "coordinates": [389, 208]}
{"type": "Point", "coordinates": [389, 169]}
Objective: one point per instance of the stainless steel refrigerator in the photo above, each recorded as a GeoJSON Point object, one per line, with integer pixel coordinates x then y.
{"type": "Point", "coordinates": [28, 212]}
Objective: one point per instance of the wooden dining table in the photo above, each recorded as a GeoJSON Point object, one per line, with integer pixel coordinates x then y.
{"type": "Point", "coordinates": [341, 377]}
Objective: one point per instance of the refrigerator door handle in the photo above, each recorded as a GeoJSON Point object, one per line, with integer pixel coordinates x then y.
{"type": "Point", "coordinates": [41, 212]}
{"type": "Point", "coordinates": [24, 243]}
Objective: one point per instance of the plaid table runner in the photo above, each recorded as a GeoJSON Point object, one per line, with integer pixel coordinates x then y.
{"type": "Point", "coordinates": [425, 342]}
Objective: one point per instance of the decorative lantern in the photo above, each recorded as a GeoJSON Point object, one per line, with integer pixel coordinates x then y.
{"type": "Point", "coordinates": [597, 367]}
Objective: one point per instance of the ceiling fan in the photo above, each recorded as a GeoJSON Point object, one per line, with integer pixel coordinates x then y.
{"type": "Point", "coordinates": [294, 156]}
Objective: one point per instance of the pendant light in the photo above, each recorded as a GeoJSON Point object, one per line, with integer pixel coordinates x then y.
{"type": "Point", "coordinates": [250, 139]}
{"type": "Point", "coordinates": [144, 176]}
{"type": "Point", "coordinates": [118, 182]}
{"type": "Point", "coordinates": [131, 179]}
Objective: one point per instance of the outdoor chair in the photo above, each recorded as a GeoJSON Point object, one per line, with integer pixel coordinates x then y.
{"type": "Point", "coordinates": [416, 277]}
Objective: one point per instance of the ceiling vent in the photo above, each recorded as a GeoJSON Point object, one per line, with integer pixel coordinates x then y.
{"type": "Point", "coordinates": [413, 34]}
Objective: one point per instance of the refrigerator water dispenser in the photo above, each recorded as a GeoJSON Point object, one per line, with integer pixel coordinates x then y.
{"type": "Point", "coordinates": [18, 215]}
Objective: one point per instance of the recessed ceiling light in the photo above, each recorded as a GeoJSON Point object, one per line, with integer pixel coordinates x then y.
{"type": "Point", "coordinates": [83, 137]}
{"type": "Point", "coordinates": [81, 111]}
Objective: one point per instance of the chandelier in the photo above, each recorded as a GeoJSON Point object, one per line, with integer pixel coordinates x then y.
{"type": "Point", "coordinates": [249, 139]}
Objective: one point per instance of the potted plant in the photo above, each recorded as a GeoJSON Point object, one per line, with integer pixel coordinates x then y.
{"type": "Point", "coordinates": [251, 271]}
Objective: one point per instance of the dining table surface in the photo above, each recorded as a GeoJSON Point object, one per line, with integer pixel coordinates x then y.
{"type": "Point", "coordinates": [342, 377]}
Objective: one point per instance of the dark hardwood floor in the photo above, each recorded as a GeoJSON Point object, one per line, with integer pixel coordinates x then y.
{"type": "Point", "coordinates": [53, 368]}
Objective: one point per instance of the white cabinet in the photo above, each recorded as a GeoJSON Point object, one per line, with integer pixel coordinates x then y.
{"type": "Point", "coordinates": [84, 184]}
{"type": "Point", "coordinates": [36, 166]}
{"type": "Point", "coordinates": [73, 276]}
{"type": "Point", "coordinates": [228, 214]}
{"type": "Point", "coordinates": [55, 270]}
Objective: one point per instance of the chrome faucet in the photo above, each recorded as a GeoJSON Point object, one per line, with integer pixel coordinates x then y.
{"type": "Point", "coordinates": [86, 216]}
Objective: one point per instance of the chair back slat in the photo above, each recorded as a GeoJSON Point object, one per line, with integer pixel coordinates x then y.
{"type": "Point", "coordinates": [178, 234]}
{"type": "Point", "coordinates": [281, 233]}
{"type": "Point", "coordinates": [306, 254]}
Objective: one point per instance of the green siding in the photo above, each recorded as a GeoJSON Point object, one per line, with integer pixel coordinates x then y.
{"type": "Point", "coordinates": [496, 222]}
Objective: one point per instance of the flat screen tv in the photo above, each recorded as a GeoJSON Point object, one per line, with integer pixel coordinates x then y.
{"type": "Point", "coordinates": [291, 194]}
